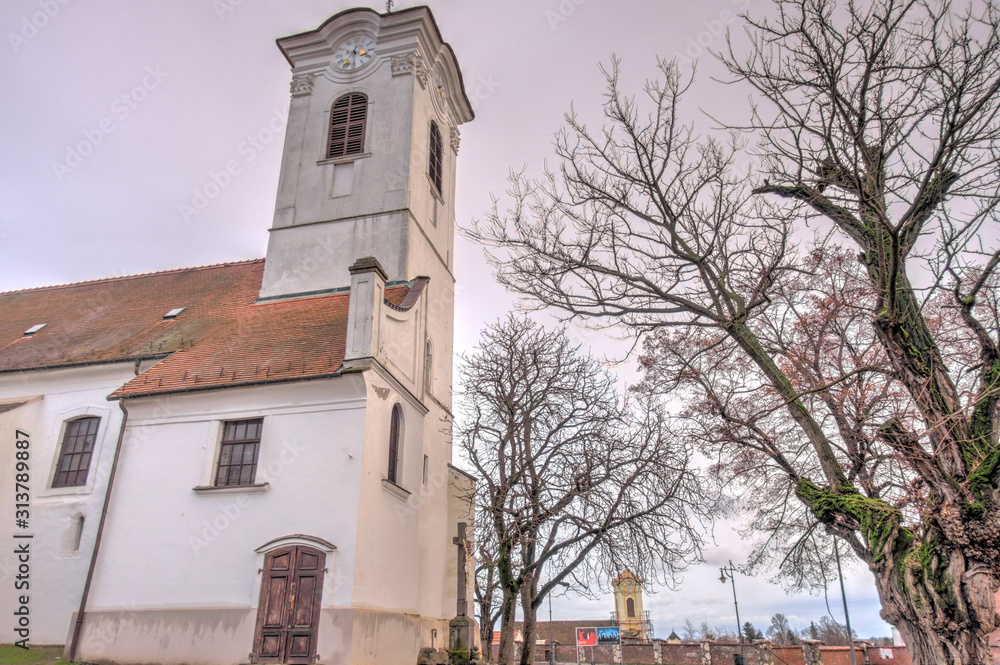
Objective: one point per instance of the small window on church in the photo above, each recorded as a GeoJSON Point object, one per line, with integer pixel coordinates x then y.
{"type": "Point", "coordinates": [77, 449]}
{"type": "Point", "coordinates": [436, 161]}
{"type": "Point", "coordinates": [239, 452]}
{"type": "Point", "coordinates": [630, 608]}
{"type": "Point", "coordinates": [394, 426]}
{"type": "Point", "coordinates": [347, 126]}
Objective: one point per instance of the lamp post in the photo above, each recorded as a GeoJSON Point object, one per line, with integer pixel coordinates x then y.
{"type": "Point", "coordinates": [730, 572]}
{"type": "Point", "coordinates": [552, 647]}
{"type": "Point", "coordinates": [843, 594]}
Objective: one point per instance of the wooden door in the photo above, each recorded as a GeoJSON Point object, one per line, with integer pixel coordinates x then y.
{"type": "Point", "coordinates": [288, 614]}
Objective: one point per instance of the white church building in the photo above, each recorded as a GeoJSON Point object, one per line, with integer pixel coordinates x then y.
{"type": "Point", "coordinates": [250, 462]}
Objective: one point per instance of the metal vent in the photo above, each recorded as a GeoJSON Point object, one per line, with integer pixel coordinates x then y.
{"type": "Point", "coordinates": [33, 329]}
{"type": "Point", "coordinates": [172, 314]}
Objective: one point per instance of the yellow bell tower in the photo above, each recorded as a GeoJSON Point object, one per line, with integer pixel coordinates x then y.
{"type": "Point", "coordinates": [629, 613]}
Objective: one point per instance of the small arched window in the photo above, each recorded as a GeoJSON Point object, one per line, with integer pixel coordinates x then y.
{"type": "Point", "coordinates": [428, 364]}
{"type": "Point", "coordinates": [630, 607]}
{"type": "Point", "coordinates": [347, 126]}
{"type": "Point", "coordinates": [436, 162]}
{"type": "Point", "coordinates": [394, 427]}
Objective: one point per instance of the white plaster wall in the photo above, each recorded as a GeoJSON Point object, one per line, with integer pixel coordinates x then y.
{"type": "Point", "coordinates": [57, 571]}
{"type": "Point", "coordinates": [167, 546]}
{"type": "Point", "coordinates": [387, 573]}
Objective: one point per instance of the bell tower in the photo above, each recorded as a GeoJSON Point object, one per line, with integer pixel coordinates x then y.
{"type": "Point", "coordinates": [629, 611]}
{"type": "Point", "coordinates": [368, 167]}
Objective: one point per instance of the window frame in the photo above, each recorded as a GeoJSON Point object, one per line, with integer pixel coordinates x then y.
{"type": "Point", "coordinates": [68, 430]}
{"type": "Point", "coordinates": [349, 121]}
{"type": "Point", "coordinates": [231, 443]}
{"type": "Point", "coordinates": [630, 608]}
{"type": "Point", "coordinates": [395, 445]}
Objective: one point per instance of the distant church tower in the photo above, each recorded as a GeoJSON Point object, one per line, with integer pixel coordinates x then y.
{"type": "Point", "coordinates": [629, 612]}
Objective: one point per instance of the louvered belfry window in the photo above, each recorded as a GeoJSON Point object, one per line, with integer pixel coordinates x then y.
{"type": "Point", "coordinates": [436, 158]}
{"type": "Point", "coordinates": [347, 126]}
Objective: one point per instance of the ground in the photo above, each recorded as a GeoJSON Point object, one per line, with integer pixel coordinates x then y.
{"type": "Point", "coordinates": [50, 654]}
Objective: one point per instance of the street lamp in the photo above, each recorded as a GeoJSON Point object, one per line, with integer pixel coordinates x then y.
{"type": "Point", "coordinates": [552, 647]}
{"type": "Point", "coordinates": [730, 571]}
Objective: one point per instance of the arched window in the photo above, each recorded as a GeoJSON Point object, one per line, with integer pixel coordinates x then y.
{"type": "Point", "coordinates": [630, 607]}
{"type": "Point", "coordinates": [436, 161]}
{"type": "Point", "coordinates": [347, 125]}
{"type": "Point", "coordinates": [394, 426]}
{"type": "Point", "coordinates": [428, 364]}
{"type": "Point", "coordinates": [77, 449]}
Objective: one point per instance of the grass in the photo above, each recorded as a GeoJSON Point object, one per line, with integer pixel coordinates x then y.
{"type": "Point", "coordinates": [50, 654]}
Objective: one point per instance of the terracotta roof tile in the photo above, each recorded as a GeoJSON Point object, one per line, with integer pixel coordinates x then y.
{"type": "Point", "coordinates": [222, 338]}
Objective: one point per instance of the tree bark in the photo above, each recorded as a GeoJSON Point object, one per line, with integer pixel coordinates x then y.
{"type": "Point", "coordinates": [529, 590]}
{"type": "Point", "coordinates": [944, 614]}
{"type": "Point", "coordinates": [505, 650]}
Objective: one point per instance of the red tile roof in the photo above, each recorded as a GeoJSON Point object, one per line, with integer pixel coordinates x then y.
{"type": "Point", "coordinates": [222, 338]}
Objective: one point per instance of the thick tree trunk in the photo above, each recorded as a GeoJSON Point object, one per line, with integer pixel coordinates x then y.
{"type": "Point", "coordinates": [944, 606]}
{"type": "Point", "coordinates": [528, 629]}
{"type": "Point", "coordinates": [505, 653]}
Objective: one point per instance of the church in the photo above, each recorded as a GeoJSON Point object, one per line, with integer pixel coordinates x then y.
{"type": "Point", "coordinates": [251, 462]}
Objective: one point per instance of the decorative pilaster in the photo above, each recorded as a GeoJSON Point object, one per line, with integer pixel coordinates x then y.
{"type": "Point", "coordinates": [410, 63]}
{"type": "Point", "coordinates": [302, 85]}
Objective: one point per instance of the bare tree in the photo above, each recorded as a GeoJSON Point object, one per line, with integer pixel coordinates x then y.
{"type": "Point", "coordinates": [573, 479]}
{"type": "Point", "coordinates": [780, 629]}
{"type": "Point", "coordinates": [884, 119]}
{"type": "Point", "coordinates": [487, 582]}
{"type": "Point", "coordinates": [881, 120]}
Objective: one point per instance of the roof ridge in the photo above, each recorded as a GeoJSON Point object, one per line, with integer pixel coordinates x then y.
{"type": "Point", "coordinates": [98, 280]}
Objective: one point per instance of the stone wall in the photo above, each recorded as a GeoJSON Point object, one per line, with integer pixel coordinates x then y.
{"type": "Point", "coordinates": [812, 652]}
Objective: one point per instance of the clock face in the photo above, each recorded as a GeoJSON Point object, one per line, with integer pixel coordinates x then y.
{"type": "Point", "coordinates": [628, 588]}
{"type": "Point", "coordinates": [354, 53]}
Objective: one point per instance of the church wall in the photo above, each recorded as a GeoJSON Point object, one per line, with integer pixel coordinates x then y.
{"type": "Point", "coordinates": [388, 532]}
{"type": "Point", "coordinates": [169, 548]}
{"type": "Point", "coordinates": [58, 567]}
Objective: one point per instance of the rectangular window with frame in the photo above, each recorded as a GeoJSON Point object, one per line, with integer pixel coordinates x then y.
{"type": "Point", "coordinates": [238, 453]}
{"type": "Point", "coordinates": [77, 449]}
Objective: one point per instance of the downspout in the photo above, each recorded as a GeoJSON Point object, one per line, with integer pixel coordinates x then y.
{"type": "Point", "coordinates": [71, 656]}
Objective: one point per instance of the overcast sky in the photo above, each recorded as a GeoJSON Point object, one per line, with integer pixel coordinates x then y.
{"type": "Point", "coordinates": [115, 115]}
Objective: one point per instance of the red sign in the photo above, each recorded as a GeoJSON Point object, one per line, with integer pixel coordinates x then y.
{"type": "Point", "coordinates": [586, 637]}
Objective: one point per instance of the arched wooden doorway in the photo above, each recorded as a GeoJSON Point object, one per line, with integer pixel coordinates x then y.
{"type": "Point", "coordinates": [288, 614]}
